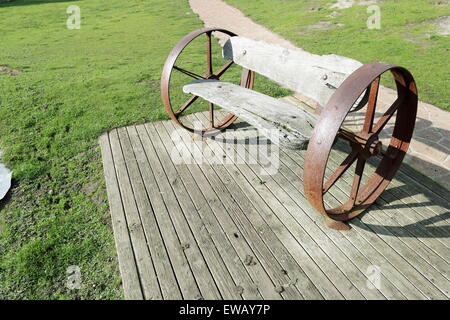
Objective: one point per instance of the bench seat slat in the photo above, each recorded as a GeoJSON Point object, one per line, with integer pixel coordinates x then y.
{"type": "Point", "coordinates": [283, 123]}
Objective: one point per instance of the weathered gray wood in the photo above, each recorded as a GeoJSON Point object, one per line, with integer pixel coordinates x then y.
{"type": "Point", "coordinates": [146, 271]}
{"type": "Point", "coordinates": [314, 76]}
{"type": "Point", "coordinates": [407, 261]}
{"type": "Point", "coordinates": [435, 263]}
{"type": "Point", "coordinates": [283, 123]}
{"type": "Point", "coordinates": [292, 239]}
{"type": "Point", "coordinates": [243, 249]}
{"type": "Point", "coordinates": [211, 223]}
{"type": "Point", "coordinates": [178, 259]}
{"type": "Point", "coordinates": [291, 169]}
{"type": "Point", "coordinates": [167, 280]}
{"type": "Point", "coordinates": [321, 249]}
{"type": "Point", "coordinates": [218, 268]}
{"type": "Point", "coordinates": [125, 255]}
{"type": "Point", "coordinates": [426, 254]}
{"type": "Point", "coordinates": [433, 248]}
{"type": "Point", "coordinates": [272, 218]}
{"type": "Point", "coordinates": [162, 197]}
{"type": "Point", "coordinates": [296, 195]}
{"type": "Point", "coordinates": [221, 181]}
{"type": "Point", "coordinates": [187, 251]}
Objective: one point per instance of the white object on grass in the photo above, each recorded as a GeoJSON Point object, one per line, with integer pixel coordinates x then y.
{"type": "Point", "coordinates": [5, 180]}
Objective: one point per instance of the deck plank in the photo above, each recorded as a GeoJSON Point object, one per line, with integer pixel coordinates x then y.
{"type": "Point", "coordinates": [149, 210]}
{"type": "Point", "coordinates": [257, 273]}
{"type": "Point", "coordinates": [321, 248]}
{"type": "Point", "coordinates": [265, 256]}
{"type": "Point", "coordinates": [220, 228]}
{"type": "Point", "coordinates": [146, 271]}
{"type": "Point", "coordinates": [127, 262]}
{"type": "Point", "coordinates": [243, 284]}
{"type": "Point", "coordinates": [406, 259]}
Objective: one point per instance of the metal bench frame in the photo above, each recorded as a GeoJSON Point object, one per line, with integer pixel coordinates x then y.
{"type": "Point", "coordinates": [345, 93]}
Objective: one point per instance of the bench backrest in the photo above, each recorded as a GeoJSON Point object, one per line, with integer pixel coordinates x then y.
{"type": "Point", "coordinates": [311, 75]}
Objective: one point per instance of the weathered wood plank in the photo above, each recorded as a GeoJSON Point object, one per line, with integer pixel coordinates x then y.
{"type": "Point", "coordinates": [274, 231]}
{"type": "Point", "coordinates": [217, 266]}
{"type": "Point", "coordinates": [250, 229]}
{"type": "Point", "coordinates": [425, 241]}
{"type": "Point", "coordinates": [257, 273]}
{"type": "Point", "coordinates": [323, 244]}
{"type": "Point", "coordinates": [178, 259]}
{"type": "Point", "coordinates": [403, 233]}
{"type": "Point", "coordinates": [127, 263]}
{"type": "Point", "coordinates": [244, 284]}
{"type": "Point", "coordinates": [433, 206]}
{"type": "Point", "coordinates": [146, 271]}
{"type": "Point", "coordinates": [314, 76]}
{"type": "Point", "coordinates": [298, 187]}
{"type": "Point", "coordinates": [167, 280]}
{"type": "Point", "coordinates": [295, 168]}
{"type": "Point", "coordinates": [422, 202]}
{"type": "Point", "coordinates": [430, 254]}
{"type": "Point", "coordinates": [407, 262]}
{"type": "Point", "coordinates": [281, 122]}
{"type": "Point", "coordinates": [274, 207]}
{"type": "Point", "coordinates": [188, 253]}
{"type": "Point", "coordinates": [163, 196]}
{"type": "Point", "coordinates": [293, 182]}
{"type": "Point", "coordinates": [292, 170]}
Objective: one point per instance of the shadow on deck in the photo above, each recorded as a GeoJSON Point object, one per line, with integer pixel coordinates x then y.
{"type": "Point", "coordinates": [235, 229]}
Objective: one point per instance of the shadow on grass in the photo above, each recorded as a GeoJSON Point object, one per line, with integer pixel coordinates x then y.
{"type": "Point", "coordinates": [15, 3]}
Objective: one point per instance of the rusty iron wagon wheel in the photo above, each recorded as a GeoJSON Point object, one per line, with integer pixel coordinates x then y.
{"type": "Point", "coordinates": [364, 144]}
{"type": "Point", "coordinates": [175, 111]}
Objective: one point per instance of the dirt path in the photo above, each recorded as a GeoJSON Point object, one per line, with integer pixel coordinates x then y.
{"type": "Point", "coordinates": [430, 148]}
{"type": "Point", "coordinates": [216, 13]}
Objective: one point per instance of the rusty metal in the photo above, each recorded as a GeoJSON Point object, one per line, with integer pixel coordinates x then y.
{"type": "Point", "coordinates": [247, 79]}
{"type": "Point", "coordinates": [361, 88]}
{"type": "Point", "coordinates": [365, 143]}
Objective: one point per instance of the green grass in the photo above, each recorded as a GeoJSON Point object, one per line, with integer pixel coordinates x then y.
{"type": "Point", "coordinates": [405, 38]}
{"type": "Point", "coordinates": [75, 85]}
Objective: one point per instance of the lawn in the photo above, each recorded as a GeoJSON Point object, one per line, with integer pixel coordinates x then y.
{"type": "Point", "coordinates": [69, 87]}
{"type": "Point", "coordinates": [407, 36]}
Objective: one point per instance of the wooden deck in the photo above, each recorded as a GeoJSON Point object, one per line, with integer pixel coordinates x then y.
{"type": "Point", "coordinates": [231, 231]}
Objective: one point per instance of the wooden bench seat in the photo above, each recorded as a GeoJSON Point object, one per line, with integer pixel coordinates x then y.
{"type": "Point", "coordinates": [314, 76]}
{"type": "Point", "coordinates": [283, 123]}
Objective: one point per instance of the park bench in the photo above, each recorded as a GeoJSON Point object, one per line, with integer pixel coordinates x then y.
{"type": "Point", "coordinates": [337, 84]}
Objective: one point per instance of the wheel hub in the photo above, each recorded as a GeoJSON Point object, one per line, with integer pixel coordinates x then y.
{"type": "Point", "coordinates": [372, 147]}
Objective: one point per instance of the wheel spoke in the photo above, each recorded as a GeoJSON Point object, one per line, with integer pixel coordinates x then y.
{"type": "Point", "coordinates": [381, 123]}
{"type": "Point", "coordinates": [189, 73]}
{"type": "Point", "coordinates": [211, 115]}
{"type": "Point", "coordinates": [222, 70]}
{"type": "Point", "coordinates": [350, 136]}
{"type": "Point", "coordinates": [186, 105]}
{"type": "Point", "coordinates": [340, 170]}
{"type": "Point", "coordinates": [247, 79]}
{"type": "Point", "coordinates": [208, 54]}
{"type": "Point", "coordinates": [356, 181]}
{"type": "Point", "coordinates": [370, 113]}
